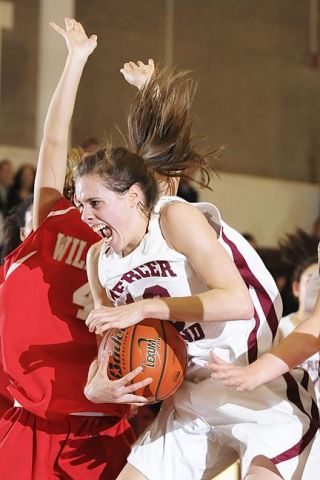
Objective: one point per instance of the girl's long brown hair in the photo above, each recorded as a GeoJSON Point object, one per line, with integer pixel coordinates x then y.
{"type": "Point", "coordinates": [159, 127]}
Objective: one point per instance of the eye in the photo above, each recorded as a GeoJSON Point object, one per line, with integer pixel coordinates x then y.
{"type": "Point", "coordinates": [95, 203]}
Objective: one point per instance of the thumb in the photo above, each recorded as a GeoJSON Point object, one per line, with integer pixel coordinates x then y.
{"type": "Point", "coordinates": [102, 369]}
{"type": "Point", "coordinates": [92, 371]}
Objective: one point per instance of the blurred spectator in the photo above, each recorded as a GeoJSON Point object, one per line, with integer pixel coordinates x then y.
{"type": "Point", "coordinates": [300, 251]}
{"type": "Point", "coordinates": [316, 229]}
{"type": "Point", "coordinates": [6, 181]}
{"type": "Point", "coordinates": [22, 186]}
{"type": "Point", "coordinates": [251, 239]}
{"type": "Point", "coordinates": [282, 273]}
{"type": "Point", "coordinates": [187, 191]}
{"type": "Point", "coordinates": [17, 226]}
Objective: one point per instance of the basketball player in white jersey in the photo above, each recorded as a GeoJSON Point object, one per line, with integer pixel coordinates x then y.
{"type": "Point", "coordinates": [166, 259]}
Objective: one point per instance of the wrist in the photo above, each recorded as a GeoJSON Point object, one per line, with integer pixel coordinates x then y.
{"type": "Point", "coordinates": [78, 57]}
{"type": "Point", "coordinates": [155, 308]}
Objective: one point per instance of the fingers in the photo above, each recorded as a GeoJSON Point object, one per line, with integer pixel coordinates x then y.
{"type": "Point", "coordinates": [133, 399]}
{"type": "Point", "coordinates": [69, 24]}
{"type": "Point", "coordinates": [130, 376]}
{"type": "Point", "coordinates": [136, 386]}
{"type": "Point", "coordinates": [57, 28]}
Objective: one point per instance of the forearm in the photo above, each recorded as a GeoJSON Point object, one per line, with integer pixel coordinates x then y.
{"type": "Point", "coordinates": [214, 305]}
{"type": "Point", "coordinates": [61, 107]}
{"type": "Point", "coordinates": [289, 353]}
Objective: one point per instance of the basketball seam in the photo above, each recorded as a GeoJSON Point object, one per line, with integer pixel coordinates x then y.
{"type": "Point", "coordinates": [165, 359]}
{"type": "Point", "coordinates": [131, 351]}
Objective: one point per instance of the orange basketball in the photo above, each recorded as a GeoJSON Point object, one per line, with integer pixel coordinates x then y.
{"type": "Point", "coordinates": [153, 344]}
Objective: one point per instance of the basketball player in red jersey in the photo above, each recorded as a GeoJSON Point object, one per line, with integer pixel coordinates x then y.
{"type": "Point", "coordinates": [15, 228]}
{"type": "Point", "coordinates": [54, 431]}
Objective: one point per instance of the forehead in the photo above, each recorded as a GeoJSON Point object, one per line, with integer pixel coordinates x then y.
{"type": "Point", "coordinates": [90, 186]}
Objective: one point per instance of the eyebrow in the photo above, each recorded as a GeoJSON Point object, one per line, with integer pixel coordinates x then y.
{"type": "Point", "coordinates": [90, 199]}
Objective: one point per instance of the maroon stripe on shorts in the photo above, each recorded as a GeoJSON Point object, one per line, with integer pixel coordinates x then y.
{"type": "Point", "coordinates": [294, 396]}
{"type": "Point", "coordinates": [264, 299]}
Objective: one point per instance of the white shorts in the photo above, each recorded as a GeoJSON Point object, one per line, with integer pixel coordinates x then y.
{"type": "Point", "coordinates": [205, 426]}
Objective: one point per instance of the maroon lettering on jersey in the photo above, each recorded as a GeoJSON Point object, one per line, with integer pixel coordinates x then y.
{"type": "Point", "coordinates": [156, 268]}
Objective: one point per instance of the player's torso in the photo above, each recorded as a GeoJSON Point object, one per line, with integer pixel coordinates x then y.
{"type": "Point", "coordinates": [154, 269]}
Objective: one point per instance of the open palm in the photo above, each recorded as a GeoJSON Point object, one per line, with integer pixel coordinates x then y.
{"type": "Point", "coordinates": [76, 38]}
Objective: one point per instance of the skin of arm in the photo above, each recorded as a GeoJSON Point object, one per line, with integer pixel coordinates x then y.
{"type": "Point", "coordinates": [297, 347]}
{"type": "Point", "coordinates": [51, 168]}
{"type": "Point", "coordinates": [227, 297]}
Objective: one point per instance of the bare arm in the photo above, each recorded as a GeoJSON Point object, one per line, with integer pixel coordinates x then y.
{"type": "Point", "coordinates": [52, 159]}
{"type": "Point", "coordinates": [227, 297]}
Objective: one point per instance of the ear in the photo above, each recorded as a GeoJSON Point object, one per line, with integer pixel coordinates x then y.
{"type": "Point", "coordinates": [135, 195]}
{"type": "Point", "coordinates": [295, 288]}
{"type": "Point", "coordinates": [22, 234]}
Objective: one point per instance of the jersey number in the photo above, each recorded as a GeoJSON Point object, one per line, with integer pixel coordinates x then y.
{"type": "Point", "coordinates": [82, 297]}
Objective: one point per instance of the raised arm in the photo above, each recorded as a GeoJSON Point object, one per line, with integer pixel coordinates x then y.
{"type": "Point", "coordinates": [52, 159]}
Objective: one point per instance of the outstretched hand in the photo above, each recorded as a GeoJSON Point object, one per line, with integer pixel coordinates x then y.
{"type": "Point", "coordinates": [100, 389]}
{"type": "Point", "coordinates": [240, 378]}
{"type": "Point", "coordinates": [76, 38]}
{"type": "Point", "coordinates": [138, 74]}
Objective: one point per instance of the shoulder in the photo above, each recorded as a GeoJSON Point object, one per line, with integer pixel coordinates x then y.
{"type": "Point", "coordinates": [181, 222]}
{"type": "Point", "coordinates": [175, 209]}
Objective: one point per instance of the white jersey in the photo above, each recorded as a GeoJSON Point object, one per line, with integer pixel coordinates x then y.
{"type": "Point", "coordinates": [286, 326]}
{"type": "Point", "coordinates": [155, 269]}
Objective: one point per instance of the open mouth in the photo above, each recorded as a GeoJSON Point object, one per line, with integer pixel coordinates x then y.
{"type": "Point", "coordinates": [104, 231]}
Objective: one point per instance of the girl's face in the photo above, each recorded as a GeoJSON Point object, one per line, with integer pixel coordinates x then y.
{"type": "Point", "coordinates": [308, 288]}
{"type": "Point", "coordinates": [114, 216]}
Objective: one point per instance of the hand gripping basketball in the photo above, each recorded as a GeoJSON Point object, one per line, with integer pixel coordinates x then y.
{"type": "Point", "coordinates": [100, 389]}
{"type": "Point", "coordinates": [152, 349]}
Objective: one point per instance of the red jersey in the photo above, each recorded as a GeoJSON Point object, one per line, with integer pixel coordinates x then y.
{"type": "Point", "coordinates": [6, 401]}
{"type": "Point", "coordinates": [45, 298]}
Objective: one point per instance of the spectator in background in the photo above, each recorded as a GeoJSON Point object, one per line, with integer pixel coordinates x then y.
{"type": "Point", "coordinates": [251, 239]}
{"type": "Point", "coordinates": [300, 250]}
{"type": "Point", "coordinates": [316, 228]}
{"type": "Point", "coordinates": [22, 186]}
{"type": "Point", "coordinates": [16, 227]}
{"type": "Point", "coordinates": [6, 180]}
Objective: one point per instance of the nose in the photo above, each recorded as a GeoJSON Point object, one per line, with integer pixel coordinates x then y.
{"type": "Point", "coordinates": [86, 214]}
